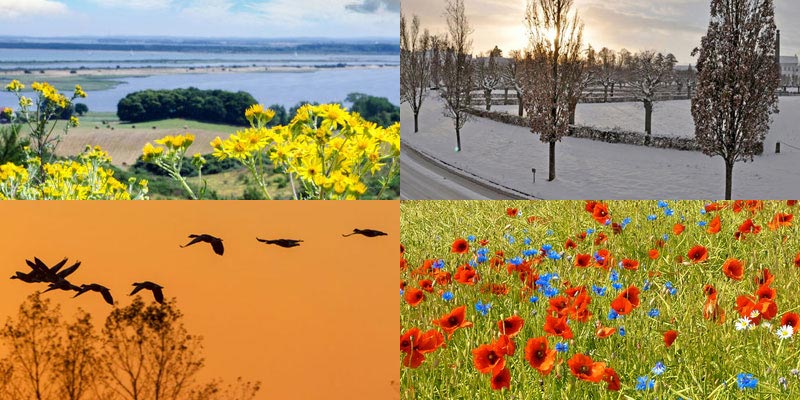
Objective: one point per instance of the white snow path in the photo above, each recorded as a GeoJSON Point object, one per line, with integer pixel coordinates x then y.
{"type": "Point", "coordinates": [588, 169]}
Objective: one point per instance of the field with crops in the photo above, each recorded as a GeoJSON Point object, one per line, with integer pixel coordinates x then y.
{"type": "Point", "coordinates": [599, 300]}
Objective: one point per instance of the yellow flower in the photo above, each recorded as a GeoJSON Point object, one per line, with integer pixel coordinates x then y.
{"type": "Point", "coordinates": [25, 102]}
{"type": "Point", "coordinates": [150, 152]}
{"type": "Point", "coordinates": [73, 121]}
{"type": "Point", "coordinates": [79, 91]}
{"type": "Point", "coordinates": [7, 111]}
{"type": "Point", "coordinates": [257, 112]}
{"type": "Point", "coordinates": [10, 171]}
{"type": "Point", "coordinates": [198, 160]}
{"type": "Point", "coordinates": [15, 86]}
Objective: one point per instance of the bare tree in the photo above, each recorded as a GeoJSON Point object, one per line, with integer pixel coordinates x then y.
{"type": "Point", "coordinates": [512, 74]}
{"type": "Point", "coordinates": [649, 70]}
{"type": "Point", "coordinates": [607, 70]}
{"type": "Point", "coordinates": [76, 369]}
{"type": "Point", "coordinates": [487, 75]}
{"type": "Point", "coordinates": [415, 66]}
{"type": "Point", "coordinates": [457, 68]}
{"type": "Point", "coordinates": [34, 342]}
{"type": "Point", "coordinates": [437, 45]}
{"type": "Point", "coordinates": [553, 70]}
{"type": "Point", "coordinates": [216, 390]}
{"type": "Point", "coordinates": [147, 352]}
{"type": "Point", "coordinates": [737, 77]}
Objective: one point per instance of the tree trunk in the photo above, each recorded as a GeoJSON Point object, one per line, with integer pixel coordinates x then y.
{"type": "Point", "coordinates": [648, 117]}
{"type": "Point", "coordinates": [612, 89]}
{"type": "Point", "coordinates": [521, 108]}
{"type": "Point", "coordinates": [605, 93]}
{"type": "Point", "coordinates": [458, 139]}
{"type": "Point", "coordinates": [728, 179]}
{"type": "Point", "coordinates": [487, 94]}
{"type": "Point", "coordinates": [416, 123]}
{"type": "Point", "coordinates": [552, 174]}
{"type": "Point", "coordinates": [505, 98]}
{"type": "Point", "coordinates": [572, 108]}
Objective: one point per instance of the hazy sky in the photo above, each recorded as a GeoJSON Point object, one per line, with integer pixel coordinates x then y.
{"type": "Point", "coordinates": [674, 26]}
{"type": "Point", "coordinates": [317, 321]}
{"type": "Point", "coordinates": [206, 18]}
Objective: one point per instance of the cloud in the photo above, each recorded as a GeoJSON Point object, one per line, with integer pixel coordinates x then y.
{"type": "Point", "coordinates": [371, 6]}
{"type": "Point", "coordinates": [16, 8]}
{"type": "Point", "coordinates": [135, 4]}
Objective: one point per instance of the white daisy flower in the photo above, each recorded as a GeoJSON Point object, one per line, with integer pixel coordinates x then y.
{"type": "Point", "coordinates": [742, 323]}
{"type": "Point", "coordinates": [785, 332]}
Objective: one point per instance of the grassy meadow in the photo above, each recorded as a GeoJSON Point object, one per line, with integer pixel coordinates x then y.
{"type": "Point", "coordinates": [593, 294]}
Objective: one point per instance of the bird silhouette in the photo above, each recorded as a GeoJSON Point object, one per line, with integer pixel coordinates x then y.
{"type": "Point", "coordinates": [40, 272]}
{"type": "Point", "coordinates": [216, 243]}
{"type": "Point", "coordinates": [94, 287]}
{"type": "Point", "coordinates": [281, 242]}
{"type": "Point", "coordinates": [153, 287]}
{"type": "Point", "coordinates": [61, 285]}
{"type": "Point", "coordinates": [366, 232]}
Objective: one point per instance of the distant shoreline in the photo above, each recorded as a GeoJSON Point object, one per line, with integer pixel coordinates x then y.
{"type": "Point", "coordinates": [149, 71]}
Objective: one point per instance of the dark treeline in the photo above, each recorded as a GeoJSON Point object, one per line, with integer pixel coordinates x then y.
{"type": "Point", "coordinates": [324, 48]}
{"type": "Point", "coordinates": [216, 106]}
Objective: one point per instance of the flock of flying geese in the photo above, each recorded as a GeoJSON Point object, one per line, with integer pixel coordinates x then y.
{"type": "Point", "coordinates": [56, 277]}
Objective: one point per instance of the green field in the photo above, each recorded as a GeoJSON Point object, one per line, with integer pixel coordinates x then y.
{"type": "Point", "coordinates": [525, 268]}
{"type": "Point", "coordinates": [66, 84]}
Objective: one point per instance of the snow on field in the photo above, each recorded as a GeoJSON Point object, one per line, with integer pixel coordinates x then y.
{"type": "Point", "coordinates": [589, 169]}
{"type": "Point", "coordinates": [674, 118]}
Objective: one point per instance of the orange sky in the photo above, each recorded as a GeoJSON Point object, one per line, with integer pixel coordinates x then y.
{"type": "Point", "coordinates": [310, 322]}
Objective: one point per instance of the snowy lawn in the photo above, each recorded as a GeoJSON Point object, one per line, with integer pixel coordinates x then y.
{"type": "Point", "coordinates": [674, 118]}
{"type": "Point", "coordinates": [588, 169]}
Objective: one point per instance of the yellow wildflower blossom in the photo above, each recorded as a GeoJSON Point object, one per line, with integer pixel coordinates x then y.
{"type": "Point", "coordinates": [15, 86]}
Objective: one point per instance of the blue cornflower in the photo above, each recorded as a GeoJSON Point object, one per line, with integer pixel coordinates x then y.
{"type": "Point", "coordinates": [646, 285]}
{"type": "Point", "coordinates": [401, 292]}
{"type": "Point", "coordinates": [515, 261]}
{"type": "Point", "coordinates": [614, 277]}
{"type": "Point", "coordinates": [598, 258]}
{"type": "Point", "coordinates": [598, 290]}
{"type": "Point", "coordinates": [481, 259]}
{"type": "Point", "coordinates": [483, 308]}
{"type": "Point", "coordinates": [621, 331]}
{"type": "Point", "coordinates": [547, 247]}
{"type": "Point", "coordinates": [662, 204]}
{"type": "Point", "coordinates": [701, 223]}
{"type": "Point", "coordinates": [653, 313]}
{"type": "Point", "coordinates": [652, 217]}
{"type": "Point", "coordinates": [616, 286]}
{"type": "Point", "coordinates": [447, 296]}
{"type": "Point", "coordinates": [608, 222]}
{"type": "Point", "coordinates": [511, 239]}
{"type": "Point", "coordinates": [562, 347]}
{"type": "Point", "coordinates": [553, 255]}
{"type": "Point", "coordinates": [527, 241]}
{"type": "Point", "coordinates": [473, 263]}
{"type": "Point", "coordinates": [644, 383]}
{"type": "Point", "coordinates": [659, 368]}
{"type": "Point", "coordinates": [625, 222]}
{"type": "Point", "coordinates": [673, 291]}
{"type": "Point", "coordinates": [534, 299]}
{"type": "Point", "coordinates": [669, 212]}
{"type": "Point", "coordinates": [612, 314]}
{"type": "Point", "coordinates": [703, 211]}
{"type": "Point", "coordinates": [665, 237]}
{"type": "Point", "coordinates": [438, 264]}
{"type": "Point", "coordinates": [589, 231]}
{"type": "Point", "coordinates": [471, 238]}
{"type": "Point", "coordinates": [549, 232]}
{"type": "Point", "coordinates": [746, 381]}
{"type": "Point", "coordinates": [483, 251]}
{"type": "Point", "coordinates": [550, 291]}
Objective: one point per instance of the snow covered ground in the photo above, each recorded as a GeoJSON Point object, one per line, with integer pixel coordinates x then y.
{"type": "Point", "coordinates": [588, 169]}
{"type": "Point", "coordinates": [674, 118]}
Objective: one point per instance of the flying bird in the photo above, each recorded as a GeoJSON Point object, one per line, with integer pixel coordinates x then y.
{"type": "Point", "coordinates": [216, 243]}
{"type": "Point", "coordinates": [155, 288]}
{"type": "Point", "coordinates": [366, 232]}
{"type": "Point", "coordinates": [281, 242]}
{"type": "Point", "coordinates": [40, 272]}
{"type": "Point", "coordinates": [63, 284]}
{"type": "Point", "coordinates": [94, 287]}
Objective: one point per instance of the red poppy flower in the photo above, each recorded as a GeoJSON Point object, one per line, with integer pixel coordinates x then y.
{"type": "Point", "coordinates": [746, 227]}
{"type": "Point", "coordinates": [584, 260]}
{"type": "Point", "coordinates": [460, 246]}
{"type": "Point", "coordinates": [764, 277]}
{"type": "Point", "coordinates": [600, 239]}
{"type": "Point", "coordinates": [590, 206]}
{"type": "Point", "coordinates": [604, 259]}
{"type": "Point", "coordinates": [486, 358]}
{"type": "Point", "coordinates": [585, 369]}
{"type": "Point", "coordinates": [714, 226]}
{"type": "Point", "coordinates": [512, 212]}
{"type": "Point", "coordinates": [558, 305]}
{"type": "Point", "coordinates": [570, 244]}
{"type": "Point", "coordinates": [539, 356]}
{"type": "Point", "coordinates": [600, 213]}
{"type": "Point", "coordinates": [403, 264]}
{"type": "Point", "coordinates": [791, 319]}
{"type": "Point", "coordinates": [797, 260]}
{"type": "Point", "coordinates": [698, 254]}
{"type": "Point", "coordinates": [669, 337]}
{"type": "Point", "coordinates": [632, 265]}
{"type": "Point", "coordinates": [715, 207]}
{"type": "Point", "coordinates": [791, 203]}
{"type": "Point", "coordinates": [442, 277]}
{"type": "Point", "coordinates": [653, 254]}
{"type": "Point", "coordinates": [677, 229]}
{"type": "Point", "coordinates": [610, 376]}
{"type": "Point", "coordinates": [765, 292]}
{"type": "Point", "coordinates": [504, 345]}
{"type": "Point", "coordinates": [557, 326]}
{"type": "Point", "coordinates": [603, 332]}
{"type": "Point", "coordinates": [426, 285]}
{"type": "Point", "coordinates": [511, 325]}
{"type": "Point", "coordinates": [712, 311]}
{"type": "Point", "coordinates": [402, 249]}
{"type": "Point", "coordinates": [453, 320]}
{"type": "Point", "coordinates": [501, 379]}
{"type": "Point", "coordinates": [779, 220]}
{"type": "Point", "coordinates": [733, 269]}
{"type": "Point", "coordinates": [626, 301]}
{"type": "Point", "coordinates": [466, 274]}
{"type": "Point", "coordinates": [416, 344]}
{"type": "Point", "coordinates": [413, 296]}
{"type": "Point", "coordinates": [616, 228]}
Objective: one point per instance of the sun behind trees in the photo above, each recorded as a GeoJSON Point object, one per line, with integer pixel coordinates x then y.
{"type": "Point", "coordinates": [143, 352]}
